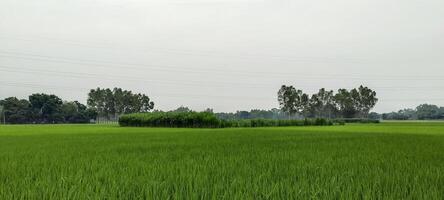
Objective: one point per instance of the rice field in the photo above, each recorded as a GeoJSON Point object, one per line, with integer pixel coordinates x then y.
{"type": "Point", "coordinates": [362, 161]}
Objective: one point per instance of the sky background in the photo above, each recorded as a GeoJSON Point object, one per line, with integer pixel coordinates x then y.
{"type": "Point", "coordinates": [223, 54]}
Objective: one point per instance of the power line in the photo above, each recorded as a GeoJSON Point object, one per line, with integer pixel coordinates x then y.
{"type": "Point", "coordinates": [205, 53]}
{"type": "Point", "coordinates": [173, 83]}
{"type": "Point", "coordinates": [169, 68]}
{"type": "Point", "coordinates": [127, 78]}
{"type": "Point", "coordinates": [178, 95]}
{"type": "Point", "coordinates": [180, 83]}
{"type": "Point", "coordinates": [166, 68]}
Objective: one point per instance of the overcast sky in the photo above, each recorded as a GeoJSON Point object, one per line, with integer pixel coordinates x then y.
{"type": "Point", "coordinates": [223, 54]}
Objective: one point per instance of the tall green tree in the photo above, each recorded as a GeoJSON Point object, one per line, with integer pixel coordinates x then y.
{"type": "Point", "coordinates": [322, 104]}
{"type": "Point", "coordinates": [2, 114]}
{"type": "Point", "coordinates": [96, 100]}
{"type": "Point", "coordinates": [346, 103]}
{"type": "Point", "coordinates": [428, 111]}
{"type": "Point", "coordinates": [292, 101]}
{"type": "Point", "coordinates": [326, 104]}
{"type": "Point", "coordinates": [75, 112]}
{"type": "Point", "coordinates": [46, 107]}
{"type": "Point", "coordinates": [16, 111]}
{"type": "Point", "coordinates": [111, 103]}
{"type": "Point", "coordinates": [364, 99]}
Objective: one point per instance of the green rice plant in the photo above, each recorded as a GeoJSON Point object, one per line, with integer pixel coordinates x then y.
{"type": "Point", "coordinates": [355, 161]}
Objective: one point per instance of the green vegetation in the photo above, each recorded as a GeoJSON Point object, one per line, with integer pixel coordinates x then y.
{"type": "Point", "coordinates": [114, 102]}
{"type": "Point", "coordinates": [192, 119]}
{"type": "Point", "coordinates": [354, 103]}
{"type": "Point", "coordinates": [358, 161]}
{"type": "Point", "coordinates": [421, 112]}
{"type": "Point", "coordinates": [171, 119]}
{"type": "Point", "coordinates": [356, 120]}
{"type": "Point", "coordinates": [275, 123]}
{"type": "Point", "coordinates": [50, 109]}
{"type": "Point", "coordinates": [44, 108]}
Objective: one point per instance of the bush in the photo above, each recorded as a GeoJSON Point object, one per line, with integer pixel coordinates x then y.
{"type": "Point", "coordinates": [356, 120]}
{"type": "Point", "coordinates": [171, 119]}
{"type": "Point", "coordinates": [208, 120]}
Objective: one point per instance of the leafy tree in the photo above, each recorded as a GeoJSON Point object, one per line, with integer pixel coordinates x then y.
{"type": "Point", "coordinates": [374, 115]}
{"type": "Point", "coordinates": [408, 114]}
{"type": "Point", "coordinates": [75, 112]}
{"type": "Point", "coordinates": [119, 100]}
{"type": "Point", "coordinates": [111, 103]}
{"type": "Point", "coordinates": [322, 104]}
{"type": "Point", "coordinates": [292, 101]}
{"type": "Point", "coordinates": [365, 99]}
{"type": "Point", "coordinates": [325, 104]}
{"type": "Point", "coordinates": [69, 109]}
{"type": "Point", "coordinates": [96, 100]}
{"type": "Point", "coordinates": [346, 103]}
{"type": "Point", "coordinates": [427, 111]}
{"type": "Point", "coordinates": [46, 107]}
{"type": "Point", "coordinates": [143, 103]}
{"type": "Point", "coordinates": [16, 111]}
{"type": "Point", "coordinates": [2, 114]}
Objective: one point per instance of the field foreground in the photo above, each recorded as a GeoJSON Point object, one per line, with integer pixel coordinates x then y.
{"type": "Point", "coordinates": [375, 161]}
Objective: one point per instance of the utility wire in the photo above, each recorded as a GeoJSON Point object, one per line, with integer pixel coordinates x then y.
{"type": "Point", "coordinates": [179, 83]}
{"type": "Point", "coordinates": [169, 68]}
{"type": "Point", "coordinates": [178, 95]}
{"type": "Point", "coordinates": [187, 52]}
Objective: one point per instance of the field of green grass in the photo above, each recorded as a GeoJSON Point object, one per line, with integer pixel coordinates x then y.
{"type": "Point", "coordinates": [362, 161]}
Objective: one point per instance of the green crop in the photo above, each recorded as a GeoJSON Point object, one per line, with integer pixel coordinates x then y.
{"type": "Point", "coordinates": [359, 161]}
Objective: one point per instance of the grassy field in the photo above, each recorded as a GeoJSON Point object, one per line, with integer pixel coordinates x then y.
{"type": "Point", "coordinates": [372, 161]}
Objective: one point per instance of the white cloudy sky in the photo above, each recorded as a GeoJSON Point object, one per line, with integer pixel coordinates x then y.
{"type": "Point", "coordinates": [223, 54]}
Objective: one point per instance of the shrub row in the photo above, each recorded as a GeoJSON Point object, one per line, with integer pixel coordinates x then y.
{"type": "Point", "coordinates": [171, 119]}
{"type": "Point", "coordinates": [274, 122]}
{"type": "Point", "coordinates": [207, 120]}
{"type": "Point", "coordinates": [356, 120]}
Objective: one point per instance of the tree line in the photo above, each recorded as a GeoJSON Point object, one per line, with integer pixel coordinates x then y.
{"type": "Point", "coordinates": [49, 108]}
{"type": "Point", "coordinates": [354, 103]}
{"type": "Point", "coordinates": [44, 108]}
{"type": "Point", "coordinates": [421, 112]}
{"type": "Point", "coordinates": [111, 103]}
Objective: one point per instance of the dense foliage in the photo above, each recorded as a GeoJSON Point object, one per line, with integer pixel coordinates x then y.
{"type": "Point", "coordinates": [171, 119]}
{"type": "Point", "coordinates": [422, 112]}
{"type": "Point", "coordinates": [111, 103]}
{"type": "Point", "coordinates": [355, 103]}
{"type": "Point", "coordinates": [207, 120]}
{"type": "Point", "coordinates": [356, 120]}
{"type": "Point", "coordinates": [256, 114]}
{"type": "Point", "coordinates": [48, 108]}
{"type": "Point", "coordinates": [44, 108]}
{"type": "Point", "coordinates": [275, 122]}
